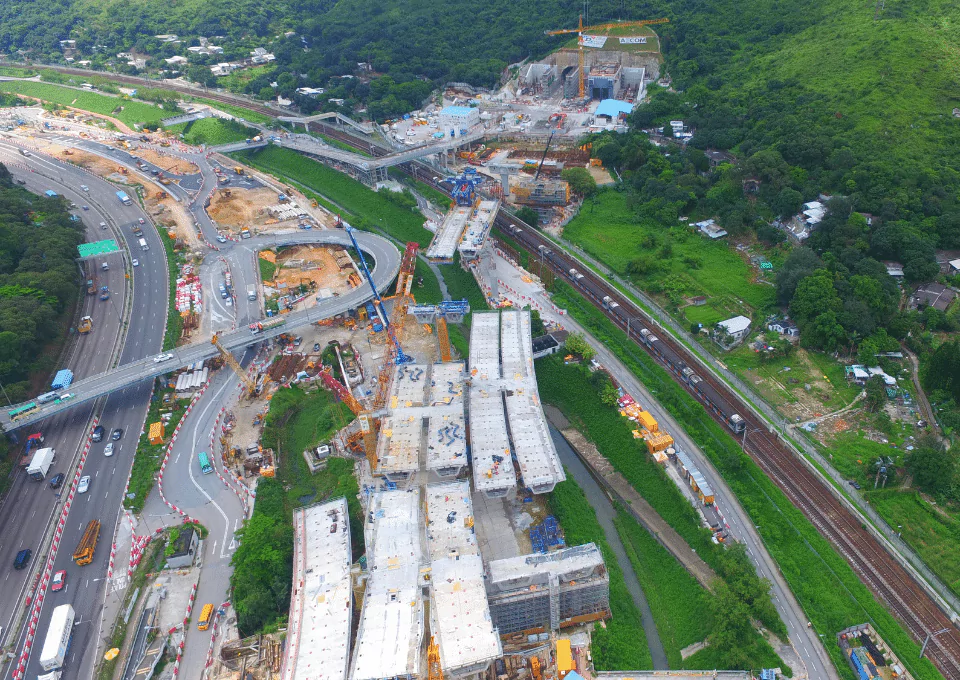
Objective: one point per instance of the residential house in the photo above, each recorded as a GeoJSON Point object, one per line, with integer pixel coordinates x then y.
{"type": "Point", "coordinates": [312, 92]}
{"type": "Point", "coordinates": [934, 295]}
{"type": "Point", "coordinates": [173, 61]}
{"type": "Point", "coordinates": [731, 331]}
{"type": "Point", "coordinates": [711, 229]}
{"type": "Point", "coordinates": [783, 326]}
{"type": "Point", "coordinates": [894, 269]}
{"type": "Point", "coordinates": [544, 345]}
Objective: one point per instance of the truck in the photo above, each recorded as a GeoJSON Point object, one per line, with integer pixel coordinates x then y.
{"type": "Point", "coordinates": [34, 441]}
{"type": "Point", "coordinates": [122, 196]}
{"type": "Point", "coordinates": [83, 555]}
{"type": "Point", "coordinates": [143, 244]}
{"type": "Point", "coordinates": [40, 463]}
{"type": "Point", "coordinates": [266, 324]}
{"type": "Point", "coordinates": [137, 229]}
{"type": "Point", "coordinates": [59, 635]}
{"type": "Point", "coordinates": [50, 194]}
{"type": "Point", "coordinates": [251, 292]}
{"type": "Point", "coordinates": [91, 286]}
{"type": "Point", "coordinates": [85, 325]}
{"type": "Point", "coordinates": [245, 232]}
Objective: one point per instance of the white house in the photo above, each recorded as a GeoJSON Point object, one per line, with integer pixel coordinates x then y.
{"type": "Point", "coordinates": [711, 229]}
{"type": "Point", "coordinates": [177, 60]}
{"type": "Point", "coordinates": [737, 327]}
{"type": "Point", "coordinates": [458, 118]}
{"type": "Point", "coordinates": [313, 92]}
{"type": "Point", "coordinates": [783, 327]}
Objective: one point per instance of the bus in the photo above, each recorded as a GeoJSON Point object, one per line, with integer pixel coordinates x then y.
{"type": "Point", "coordinates": [22, 411]}
{"type": "Point", "coordinates": [205, 615]}
{"type": "Point", "coordinates": [204, 461]}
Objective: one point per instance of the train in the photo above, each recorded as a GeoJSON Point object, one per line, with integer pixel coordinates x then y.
{"type": "Point", "coordinates": [639, 330]}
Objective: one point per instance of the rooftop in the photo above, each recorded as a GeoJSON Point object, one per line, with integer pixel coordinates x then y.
{"type": "Point", "coordinates": [612, 107]}
{"type": "Point", "coordinates": [455, 111]}
{"type": "Point", "coordinates": [446, 433]}
{"type": "Point", "coordinates": [460, 615]}
{"type": "Point", "coordinates": [737, 324]}
{"type": "Point", "coordinates": [444, 243]}
{"type": "Point", "coordinates": [318, 632]}
{"type": "Point", "coordinates": [566, 561]}
{"type": "Point", "coordinates": [391, 623]}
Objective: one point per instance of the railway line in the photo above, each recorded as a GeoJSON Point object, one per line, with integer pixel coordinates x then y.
{"type": "Point", "coordinates": [888, 580]}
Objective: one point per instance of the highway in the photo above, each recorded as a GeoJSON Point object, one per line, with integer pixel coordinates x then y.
{"type": "Point", "coordinates": [382, 254]}
{"type": "Point", "coordinates": [27, 509]}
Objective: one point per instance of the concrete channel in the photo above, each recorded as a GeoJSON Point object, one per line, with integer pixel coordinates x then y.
{"type": "Point", "coordinates": [605, 513]}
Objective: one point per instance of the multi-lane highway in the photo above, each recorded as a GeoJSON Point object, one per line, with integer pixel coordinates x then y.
{"type": "Point", "coordinates": [29, 507]}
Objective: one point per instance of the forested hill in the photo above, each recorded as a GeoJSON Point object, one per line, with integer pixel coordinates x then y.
{"type": "Point", "coordinates": [39, 281]}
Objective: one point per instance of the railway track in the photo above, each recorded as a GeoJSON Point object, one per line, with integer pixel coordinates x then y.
{"type": "Point", "coordinates": [888, 580]}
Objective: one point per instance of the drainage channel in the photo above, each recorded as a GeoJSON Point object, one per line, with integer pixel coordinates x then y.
{"type": "Point", "coordinates": [605, 514]}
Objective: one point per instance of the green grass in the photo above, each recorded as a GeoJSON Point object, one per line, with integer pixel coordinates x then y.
{"type": "Point", "coordinates": [933, 531]}
{"type": "Point", "coordinates": [853, 455]}
{"type": "Point", "coordinates": [680, 605]}
{"type": "Point", "coordinates": [267, 269]}
{"type": "Point", "coordinates": [236, 81]}
{"type": "Point", "coordinates": [461, 285]}
{"type": "Point", "coordinates": [373, 211]}
{"type": "Point", "coordinates": [707, 314]}
{"type": "Point", "coordinates": [127, 111]}
{"type": "Point", "coordinates": [174, 320]}
{"type": "Point", "coordinates": [622, 644]}
{"type": "Point", "coordinates": [147, 459]}
{"type": "Point", "coordinates": [14, 72]}
{"type": "Point", "coordinates": [833, 600]}
{"type": "Point", "coordinates": [429, 293]}
{"type": "Point", "coordinates": [238, 111]}
{"type": "Point", "coordinates": [608, 229]}
{"type": "Point", "coordinates": [435, 196]}
{"type": "Point", "coordinates": [213, 131]}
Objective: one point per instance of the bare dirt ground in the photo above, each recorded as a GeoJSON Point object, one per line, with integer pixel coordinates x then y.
{"type": "Point", "coordinates": [243, 207]}
{"type": "Point", "coordinates": [317, 264]}
{"type": "Point", "coordinates": [600, 175]}
{"type": "Point", "coordinates": [165, 161]}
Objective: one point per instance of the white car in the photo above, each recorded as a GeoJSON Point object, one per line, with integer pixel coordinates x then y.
{"type": "Point", "coordinates": [108, 451]}
{"type": "Point", "coordinates": [84, 187]}
{"type": "Point", "coordinates": [84, 484]}
{"type": "Point", "coordinates": [135, 262]}
{"type": "Point", "coordinates": [162, 357]}
{"type": "Point", "coordinates": [221, 238]}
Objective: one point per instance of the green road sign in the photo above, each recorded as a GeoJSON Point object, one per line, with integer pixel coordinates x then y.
{"type": "Point", "coordinates": [98, 248]}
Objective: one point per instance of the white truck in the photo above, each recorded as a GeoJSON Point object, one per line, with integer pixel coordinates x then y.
{"type": "Point", "coordinates": [57, 642]}
{"type": "Point", "coordinates": [55, 675]}
{"type": "Point", "coordinates": [143, 244]}
{"type": "Point", "coordinates": [40, 463]}
{"type": "Point", "coordinates": [251, 292]}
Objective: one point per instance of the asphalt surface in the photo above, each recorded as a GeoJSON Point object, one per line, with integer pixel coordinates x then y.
{"type": "Point", "coordinates": [28, 508]}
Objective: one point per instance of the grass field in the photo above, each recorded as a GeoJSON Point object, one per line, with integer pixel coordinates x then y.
{"type": "Point", "coordinates": [622, 643]}
{"type": "Point", "coordinates": [147, 459]}
{"type": "Point", "coordinates": [212, 131]}
{"type": "Point", "coordinates": [933, 531]}
{"type": "Point", "coordinates": [128, 111]}
{"type": "Point", "coordinates": [607, 229]}
{"type": "Point", "coordinates": [374, 212]}
{"type": "Point", "coordinates": [267, 269]}
{"type": "Point", "coordinates": [833, 600]}
{"type": "Point", "coordinates": [238, 111]}
{"type": "Point", "coordinates": [462, 286]}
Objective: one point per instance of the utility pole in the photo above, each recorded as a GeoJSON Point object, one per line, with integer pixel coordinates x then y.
{"type": "Point", "coordinates": [927, 640]}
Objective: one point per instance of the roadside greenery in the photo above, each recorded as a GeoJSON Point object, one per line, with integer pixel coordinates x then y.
{"type": "Point", "coordinates": [174, 320]}
{"type": "Point", "coordinates": [148, 458]}
{"type": "Point", "coordinates": [835, 598]}
{"type": "Point", "coordinates": [127, 111]}
{"type": "Point", "coordinates": [267, 269]}
{"type": "Point", "coordinates": [262, 574]}
{"type": "Point", "coordinates": [212, 131]}
{"type": "Point", "coordinates": [622, 643]}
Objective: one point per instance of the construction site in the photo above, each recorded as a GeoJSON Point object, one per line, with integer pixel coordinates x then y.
{"type": "Point", "coordinates": [303, 275]}
{"type": "Point", "coordinates": [467, 224]}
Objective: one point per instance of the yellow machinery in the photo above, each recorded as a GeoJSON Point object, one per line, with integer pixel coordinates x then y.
{"type": "Point", "coordinates": [444, 338]}
{"type": "Point", "coordinates": [600, 27]}
{"type": "Point", "coordinates": [535, 668]}
{"type": "Point", "coordinates": [85, 325]}
{"type": "Point", "coordinates": [238, 169]}
{"type": "Point", "coordinates": [434, 671]}
{"type": "Point", "coordinates": [235, 365]}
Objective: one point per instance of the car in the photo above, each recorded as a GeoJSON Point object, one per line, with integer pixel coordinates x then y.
{"type": "Point", "coordinates": [141, 220]}
{"type": "Point", "coordinates": [98, 433]}
{"type": "Point", "coordinates": [62, 398]}
{"type": "Point", "coordinates": [162, 357]}
{"type": "Point", "coordinates": [22, 558]}
{"type": "Point", "coordinates": [316, 347]}
{"type": "Point", "coordinates": [228, 302]}
{"type": "Point", "coordinates": [84, 187]}
{"type": "Point", "coordinates": [117, 433]}
{"type": "Point", "coordinates": [59, 581]}
{"type": "Point", "coordinates": [854, 483]}
{"type": "Point", "coordinates": [154, 172]}
{"type": "Point", "coordinates": [108, 450]}
{"type": "Point", "coordinates": [103, 225]}
{"type": "Point", "coordinates": [221, 238]}
{"type": "Point", "coordinates": [86, 207]}
{"type": "Point", "coordinates": [135, 262]}
{"type": "Point", "coordinates": [57, 480]}
{"type": "Point", "coordinates": [84, 484]}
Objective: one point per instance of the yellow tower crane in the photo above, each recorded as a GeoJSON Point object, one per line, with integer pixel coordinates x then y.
{"type": "Point", "coordinates": [434, 671]}
{"type": "Point", "coordinates": [235, 365]}
{"type": "Point", "coordinates": [599, 27]}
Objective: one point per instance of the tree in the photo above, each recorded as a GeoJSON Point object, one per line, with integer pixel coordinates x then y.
{"type": "Point", "coordinates": [581, 181]}
{"type": "Point", "coordinates": [799, 264]}
{"type": "Point", "coordinates": [537, 327]}
{"type": "Point", "coordinates": [876, 391]}
{"type": "Point", "coordinates": [788, 202]}
{"type": "Point", "coordinates": [577, 344]}
{"type": "Point", "coordinates": [814, 295]}
{"type": "Point", "coordinates": [529, 215]}
{"type": "Point", "coordinates": [934, 469]}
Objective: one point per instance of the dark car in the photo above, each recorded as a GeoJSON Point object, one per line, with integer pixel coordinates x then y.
{"type": "Point", "coordinates": [22, 558]}
{"type": "Point", "coordinates": [116, 434]}
{"type": "Point", "coordinates": [855, 484]}
{"type": "Point", "coordinates": [98, 433]}
{"type": "Point", "coordinates": [57, 480]}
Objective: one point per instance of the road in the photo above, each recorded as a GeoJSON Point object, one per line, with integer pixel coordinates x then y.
{"type": "Point", "coordinates": [804, 640]}
{"type": "Point", "coordinates": [28, 508]}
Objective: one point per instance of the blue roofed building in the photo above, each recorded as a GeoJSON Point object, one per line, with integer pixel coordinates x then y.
{"type": "Point", "coordinates": [458, 118]}
{"type": "Point", "coordinates": [613, 109]}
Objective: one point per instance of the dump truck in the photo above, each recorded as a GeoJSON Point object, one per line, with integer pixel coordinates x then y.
{"type": "Point", "coordinates": [238, 169]}
{"type": "Point", "coordinates": [88, 544]}
{"type": "Point", "coordinates": [59, 635]}
{"type": "Point", "coordinates": [85, 325]}
{"type": "Point", "coordinates": [34, 442]}
{"type": "Point", "coordinates": [245, 232]}
{"type": "Point", "coordinates": [40, 463]}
